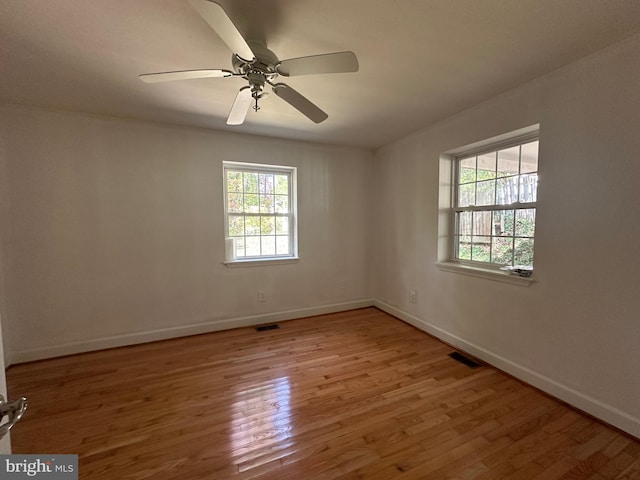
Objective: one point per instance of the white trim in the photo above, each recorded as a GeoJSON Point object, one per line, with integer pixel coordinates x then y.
{"type": "Point", "coordinates": [490, 145]}
{"type": "Point", "coordinates": [261, 262]}
{"type": "Point", "coordinates": [504, 140]}
{"type": "Point", "coordinates": [584, 402]}
{"type": "Point", "coordinates": [496, 206]}
{"type": "Point", "coordinates": [182, 331]}
{"type": "Point", "coordinates": [252, 167]}
{"type": "Point", "coordinates": [486, 273]}
{"type": "Point", "coordinates": [292, 215]}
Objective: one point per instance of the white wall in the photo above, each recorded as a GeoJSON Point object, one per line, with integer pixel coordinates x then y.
{"type": "Point", "coordinates": [576, 331]}
{"type": "Point", "coordinates": [116, 232]}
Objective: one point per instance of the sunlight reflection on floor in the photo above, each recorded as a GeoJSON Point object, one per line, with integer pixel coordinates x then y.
{"type": "Point", "coordinates": [261, 415]}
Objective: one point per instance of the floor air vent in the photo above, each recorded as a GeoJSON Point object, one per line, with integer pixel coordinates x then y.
{"type": "Point", "coordinates": [464, 359]}
{"type": "Point", "coordinates": [266, 327]}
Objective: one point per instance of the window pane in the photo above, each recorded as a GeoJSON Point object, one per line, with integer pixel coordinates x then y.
{"type": "Point", "coordinates": [503, 223]}
{"type": "Point", "coordinates": [525, 222]}
{"type": "Point", "coordinates": [268, 245]}
{"type": "Point", "coordinates": [523, 251]}
{"type": "Point", "coordinates": [486, 166]}
{"type": "Point", "coordinates": [282, 225]}
{"type": "Point", "coordinates": [266, 204]}
{"type": "Point", "coordinates": [240, 249]}
{"type": "Point", "coordinates": [467, 170]}
{"type": "Point", "coordinates": [266, 183]}
{"type": "Point", "coordinates": [529, 160]}
{"type": "Point", "coordinates": [282, 245]}
{"type": "Point", "coordinates": [464, 220]}
{"type": "Point", "coordinates": [502, 250]}
{"type": "Point", "coordinates": [481, 249]}
{"type": "Point", "coordinates": [467, 195]}
{"type": "Point", "coordinates": [507, 191]}
{"type": "Point", "coordinates": [252, 246]}
{"type": "Point", "coordinates": [251, 203]}
{"type": "Point", "coordinates": [282, 204]}
{"type": "Point", "coordinates": [268, 226]}
{"type": "Point", "coordinates": [234, 202]}
{"type": "Point", "coordinates": [236, 226]}
{"type": "Point", "coordinates": [486, 193]}
{"type": "Point", "coordinates": [234, 181]}
{"type": "Point", "coordinates": [528, 188]}
{"type": "Point", "coordinates": [508, 161]}
{"type": "Point", "coordinates": [482, 223]}
{"type": "Point", "coordinates": [463, 247]}
{"type": "Point", "coordinates": [282, 184]}
{"type": "Point", "coordinates": [252, 225]}
{"type": "Point", "coordinates": [250, 182]}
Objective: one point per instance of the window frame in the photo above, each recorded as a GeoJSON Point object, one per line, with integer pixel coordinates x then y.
{"type": "Point", "coordinates": [477, 150]}
{"type": "Point", "coordinates": [245, 167]}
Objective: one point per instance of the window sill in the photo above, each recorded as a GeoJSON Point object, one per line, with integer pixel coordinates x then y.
{"type": "Point", "coordinates": [261, 262]}
{"type": "Point", "coordinates": [485, 273]}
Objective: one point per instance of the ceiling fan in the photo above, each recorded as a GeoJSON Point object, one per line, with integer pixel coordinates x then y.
{"type": "Point", "coordinates": [258, 65]}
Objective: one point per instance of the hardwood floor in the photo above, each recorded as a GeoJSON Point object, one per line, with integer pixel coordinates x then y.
{"type": "Point", "coordinates": [355, 395]}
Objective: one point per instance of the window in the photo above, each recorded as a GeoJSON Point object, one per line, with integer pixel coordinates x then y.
{"type": "Point", "coordinates": [260, 207]}
{"type": "Point", "coordinates": [494, 205]}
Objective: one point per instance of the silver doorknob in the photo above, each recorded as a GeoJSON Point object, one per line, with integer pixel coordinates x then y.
{"type": "Point", "coordinates": [13, 411]}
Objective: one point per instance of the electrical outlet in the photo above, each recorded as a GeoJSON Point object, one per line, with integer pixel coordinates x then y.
{"type": "Point", "coordinates": [261, 297]}
{"type": "Point", "coordinates": [413, 296]}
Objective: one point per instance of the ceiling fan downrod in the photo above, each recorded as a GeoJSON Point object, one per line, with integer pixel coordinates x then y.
{"type": "Point", "coordinates": [256, 80]}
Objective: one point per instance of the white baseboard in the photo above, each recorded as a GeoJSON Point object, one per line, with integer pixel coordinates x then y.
{"type": "Point", "coordinates": [584, 402]}
{"type": "Point", "coordinates": [181, 331]}
{"type": "Point", "coordinates": [581, 401]}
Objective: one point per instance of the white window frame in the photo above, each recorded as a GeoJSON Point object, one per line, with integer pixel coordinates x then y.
{"type": "Point", "coordinates": [291, 173]}
{"type": "Point", "coordinates": [449, 180]}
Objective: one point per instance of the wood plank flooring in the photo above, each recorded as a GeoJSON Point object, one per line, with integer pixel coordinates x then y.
{"type": "Point", "coordinates": [354, 395]}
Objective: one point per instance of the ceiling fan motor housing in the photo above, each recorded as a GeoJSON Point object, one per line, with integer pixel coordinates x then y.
{"type": "Point", "coordinates": [258, 71]}
{"type": "Point", "coordinates": [265, 61]}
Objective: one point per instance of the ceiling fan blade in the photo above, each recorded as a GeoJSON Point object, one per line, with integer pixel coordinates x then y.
{"type": "Point", "coordinates": [218, 19]}
{"type": "Point", "coordinates": [183, 75]}
{"type": "Point", "coordinates": [340, 62]}
{"type": "Point", "coordinates": [240, 107]}
{"type": "Point", "coordinates": [297, 101]}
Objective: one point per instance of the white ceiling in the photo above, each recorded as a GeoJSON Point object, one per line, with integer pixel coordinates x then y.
{"type": "Point", "coordinates": [420, 60]}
